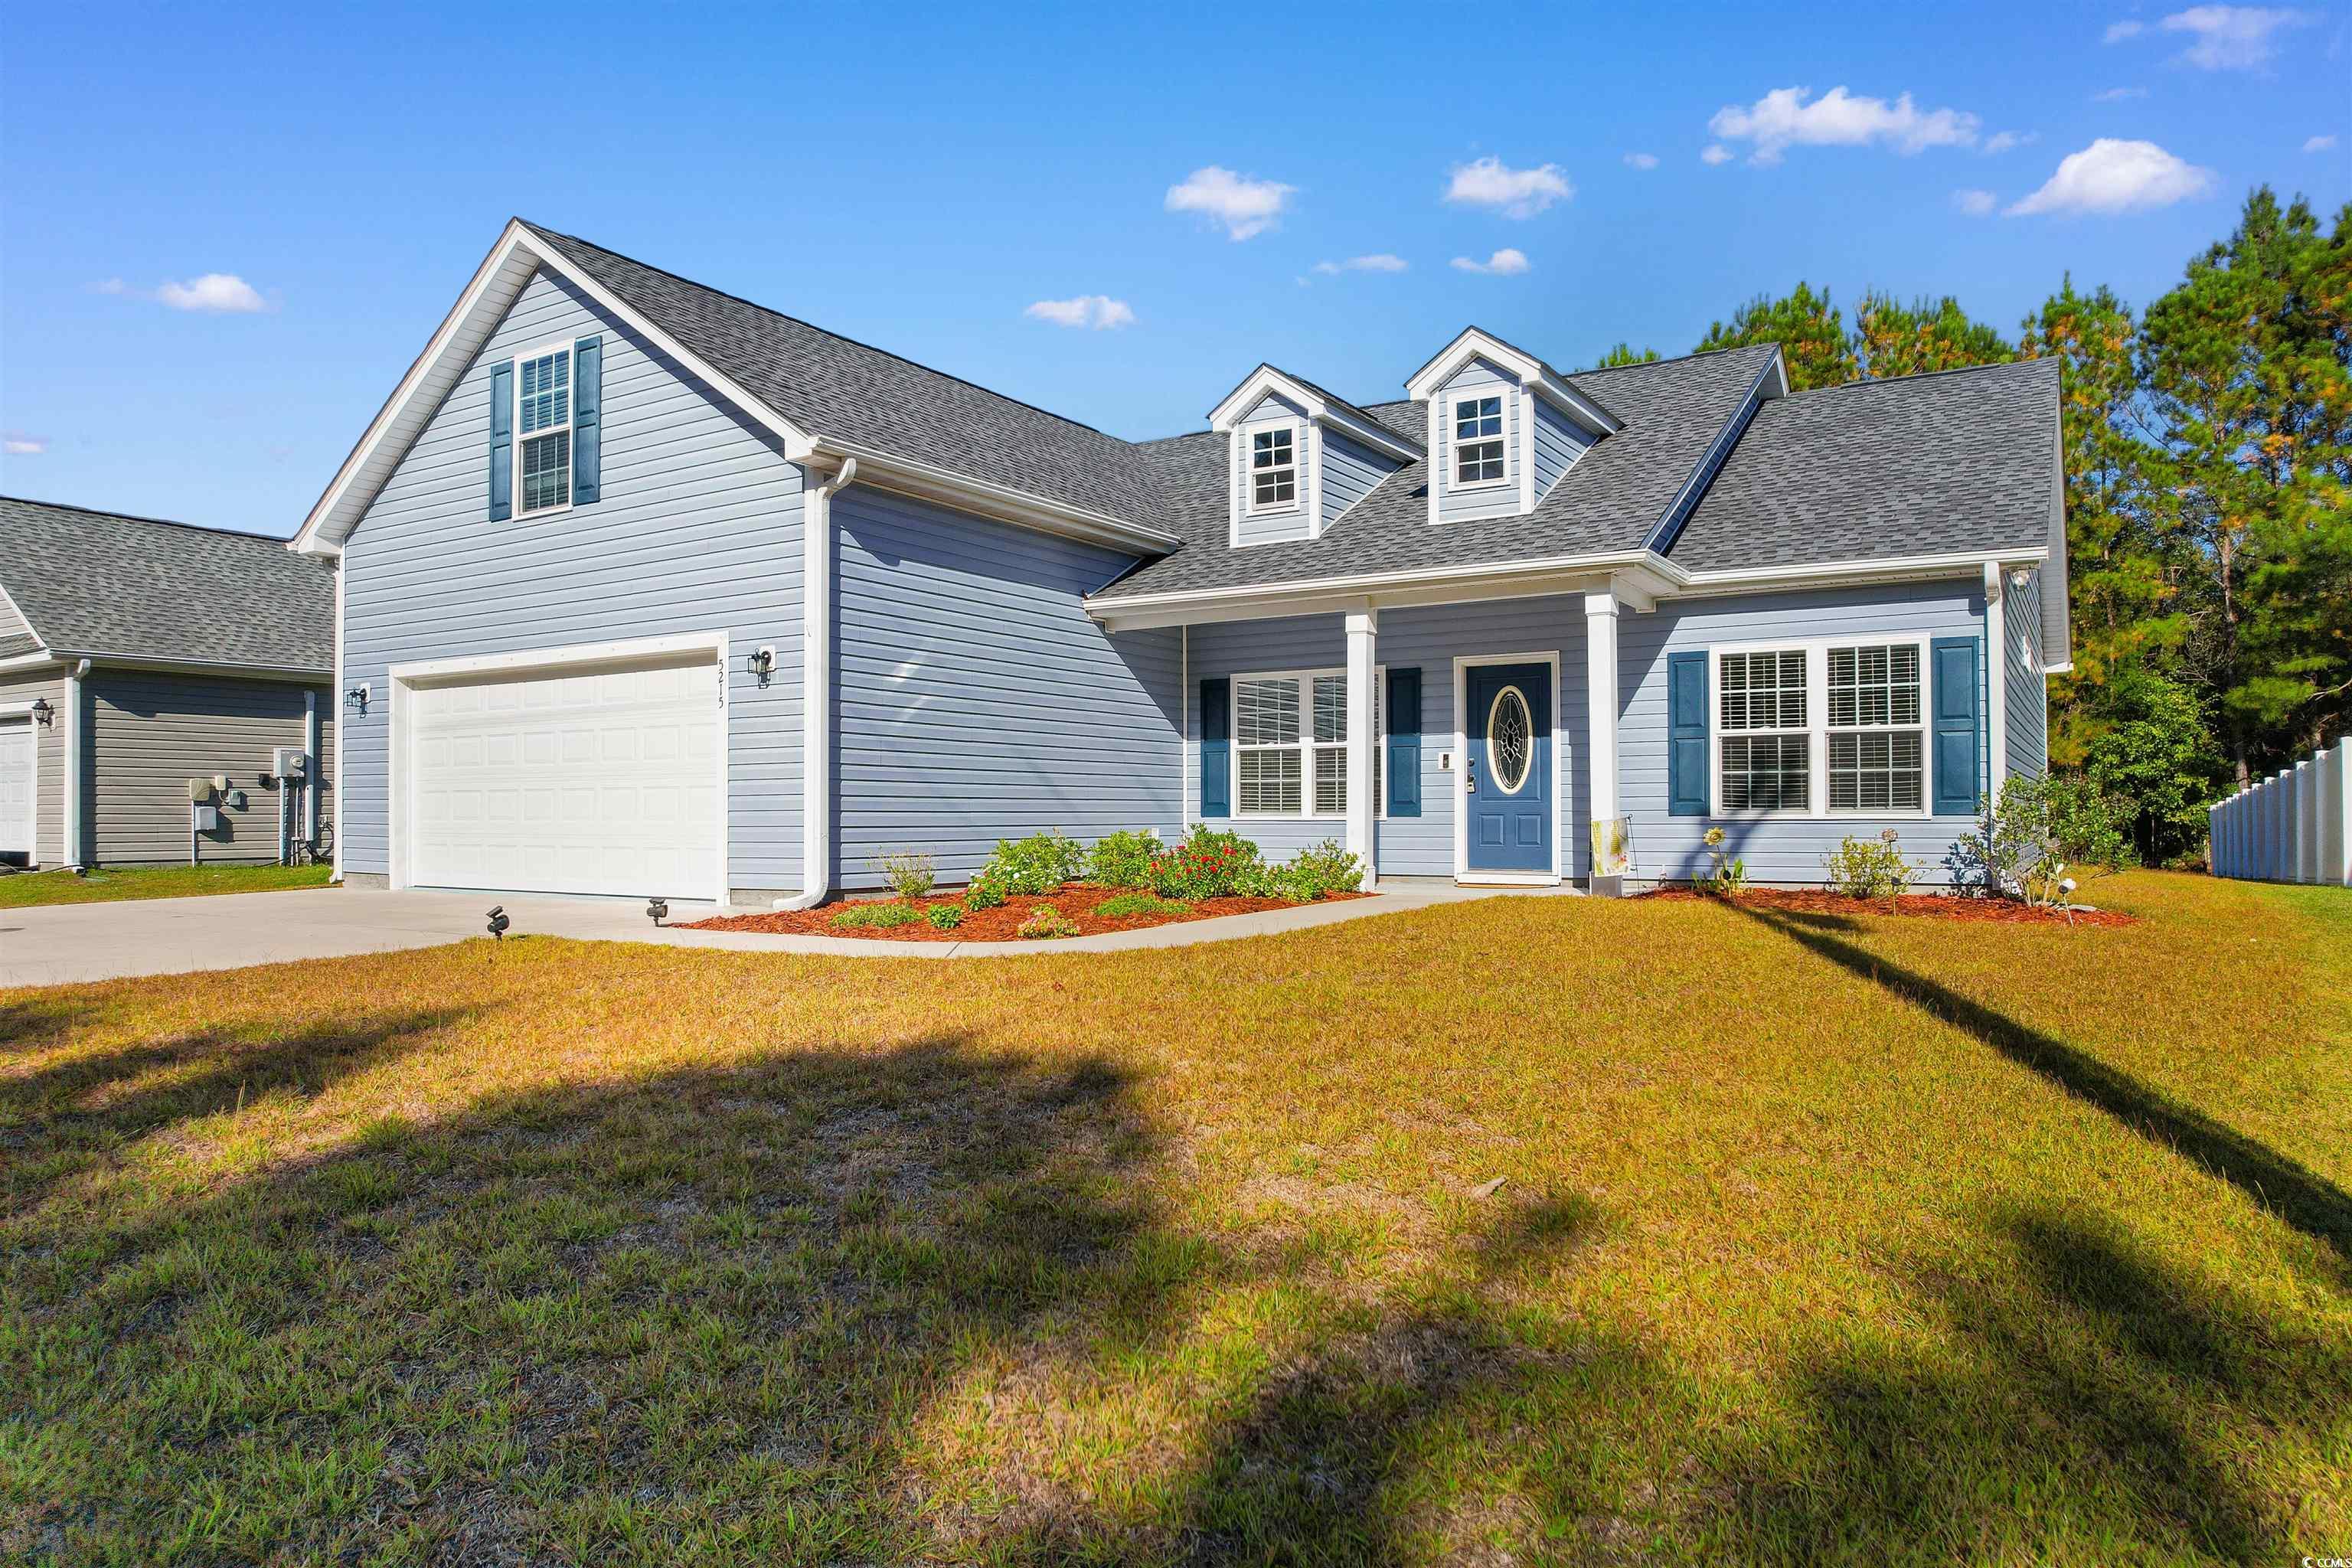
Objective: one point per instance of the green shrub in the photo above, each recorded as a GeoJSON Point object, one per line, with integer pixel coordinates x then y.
{"type": "Point", "coordinates": [1040, 863]}
{"type": "Point", "coordinates": [909, 875]}
{"type": "Point", "coordinates": [2023, 847]}
{"type": "Point", "coordinates": [877, 916]}
{"type": "Point", "coordinates": [1128, 904]}
{"type": "Point", "coordinates": [1316, 871]}
{"type": "Point", "coordinates": [1209, 864]}
{"type": "Point", "coordinates": [1045, 921]}
{"type": "Point", "coordinates": [1870, 868]}
{"type": "Point", "coordinates": [1123, 859]}
{"type": "Point", "coordinates": [983, 894]}
{"type": "Point", "coordinates": [944, 917]}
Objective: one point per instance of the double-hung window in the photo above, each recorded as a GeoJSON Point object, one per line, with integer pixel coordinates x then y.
{"type": "Point", "coordinates": [1290, 743]}
{"type": "Point", "coordinates": [1478, 450]}
{"type": "Point", "coordinates": [544, 430]}
{"type": "Point", "coordinates": [1765, 744]}
{"type": "Point", "coordinates": [1274, 468]}
{"type": "Point", "coordinates": [1877, 743]}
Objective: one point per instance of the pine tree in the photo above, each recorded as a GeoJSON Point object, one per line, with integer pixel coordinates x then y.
{"type": "Point", "coordinates": [1891, 339]}
{"type": "Point", "coordinates": [1810, 330]}
{"type": "Point", "coordinates": [1626, 353]}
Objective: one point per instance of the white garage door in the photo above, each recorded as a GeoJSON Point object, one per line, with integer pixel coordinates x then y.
{"type": "Point", "coordinates": [16, 787]}
{"type": "Point", "coordinates": [599, 781]}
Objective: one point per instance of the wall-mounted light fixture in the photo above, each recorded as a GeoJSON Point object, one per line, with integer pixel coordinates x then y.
{"type": "Point", "coordinates": [44, 714]}
{"type": "Point", "coordinates": [761, 663]}
{"type": "Point", "coordinates": [357, 697]}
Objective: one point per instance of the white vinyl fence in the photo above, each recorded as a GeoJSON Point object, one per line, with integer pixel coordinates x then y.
{"type": "Point", "coordinates": [2294, 827]}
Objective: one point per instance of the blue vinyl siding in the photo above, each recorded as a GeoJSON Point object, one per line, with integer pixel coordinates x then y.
{"type": "Point", "coordinates": [978, 701]}
{"type": "Point", "coordinates": [1559, 444]}
{"type": "Point", "coordinates": [2027, 691]}
{"type": "Point", "coordinates": [1267, 527]}
{"type": "Point", "coordinates": [698, 529]}
{"type": "Point", "coordinates": [1350, 471]}
{"type": "Point", "coordinates": [1500, 501]}
{"type": "Point", "coordinates": [1785, 850]}
{"type": "Point", "coordinates": [1430, 640]}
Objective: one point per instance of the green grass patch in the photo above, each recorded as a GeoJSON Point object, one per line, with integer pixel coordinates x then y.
{"type": "Point", "coordinates": [1127, 904]}
{"type": "Point", "coordinates": [31, 888]}
{"type": "Point", "coordinates": [877, 916]}
{"type": "Point", "coordinates": [1817, 1239]}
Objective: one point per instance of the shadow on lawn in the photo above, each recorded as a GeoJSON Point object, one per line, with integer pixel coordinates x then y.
{"type": "Point", "coordinates": [2293, 1191]}
{"type": "Point", "coordinates": [2081, 1391]}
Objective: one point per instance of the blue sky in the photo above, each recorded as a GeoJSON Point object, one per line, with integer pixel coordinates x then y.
{"type": "Point", "coordinates": [225, 234]}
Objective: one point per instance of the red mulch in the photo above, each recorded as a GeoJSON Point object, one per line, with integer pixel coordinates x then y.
{"type": "Point", "coordinates": [1077, 901]}
{"type": "Point", "coordinates": [1934, 906]}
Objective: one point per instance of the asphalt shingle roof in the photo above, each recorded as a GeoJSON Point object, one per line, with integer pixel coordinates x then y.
{"type": "Point", "coordinates": [99, 583]}
{"type": "Point", "coordinates": [836, 386]}
{"type": "Point", "coordinates": [1960, 460]}
{"type": "Point", "coordinates": [1672, 409]}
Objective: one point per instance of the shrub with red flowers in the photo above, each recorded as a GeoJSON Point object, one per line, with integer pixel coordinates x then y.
{"type": "Point", "coordinates": [1208, 865]}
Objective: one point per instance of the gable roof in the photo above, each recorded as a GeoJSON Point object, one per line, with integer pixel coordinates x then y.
{"type": "Point", "coordinates": [1671, 411]}
{"type": "Point", "coordinates": [104, 585]}
{"type": "Point", "coordinates": [1952, 462]}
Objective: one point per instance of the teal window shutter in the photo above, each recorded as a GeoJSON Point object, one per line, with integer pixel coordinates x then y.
{"type": "Point", "coordinates": [1403, 760]}
{"type": "Point", "coordinates": [1686, 748]}
{"type": "Point", "coordinates": [1216, 748]}
{"type": "Point", "coordinates": [1958, 706]}
{"type": "Point", "coordinates": [502, 441]}
{"type": "Point", "coordinates": [587, 422]}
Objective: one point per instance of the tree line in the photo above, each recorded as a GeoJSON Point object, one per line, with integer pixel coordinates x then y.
{"type": "Point", "coordinates": [2208, 446]}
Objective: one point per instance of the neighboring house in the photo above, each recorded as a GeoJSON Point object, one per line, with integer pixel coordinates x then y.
{"type": "Point", "coordinates": [648, 589]}
{"type": "Point", "coordinates": [136, 655]}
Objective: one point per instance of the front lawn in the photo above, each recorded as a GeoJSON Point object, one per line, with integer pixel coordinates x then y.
{"type": "Point", "coordinates": [1818, 1238]}
{"type": "Point", "coordinates": [29, 888]}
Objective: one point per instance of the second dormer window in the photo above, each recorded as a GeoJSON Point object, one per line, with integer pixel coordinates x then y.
{"type": "Point", "coordinates": [1478, 440]}
{"type": "Point", "coordinates": [1273, 470]}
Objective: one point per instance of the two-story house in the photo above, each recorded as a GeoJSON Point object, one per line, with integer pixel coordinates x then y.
{"type": "Point", "coordinates": [645, 588]}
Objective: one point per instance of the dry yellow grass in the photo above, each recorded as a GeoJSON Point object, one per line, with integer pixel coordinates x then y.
{"type": "Point", "coordinates": [1817, 1239]}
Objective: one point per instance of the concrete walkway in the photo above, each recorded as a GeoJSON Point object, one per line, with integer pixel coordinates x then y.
{"type": "Point", "coordinates": [55, 943]}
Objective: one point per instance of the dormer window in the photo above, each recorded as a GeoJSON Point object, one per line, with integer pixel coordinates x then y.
{"type": "Point", "coordinates": [1479, 451]}
{"type": "Point", "coordinates": [1273, 470]}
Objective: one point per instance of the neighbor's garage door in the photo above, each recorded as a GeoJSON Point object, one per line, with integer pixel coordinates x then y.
{"type": "Point", "coordinates": [569, 781]}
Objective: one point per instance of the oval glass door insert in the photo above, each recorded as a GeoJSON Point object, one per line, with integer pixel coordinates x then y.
{"type": "Point", "coordinates": [1510, 740]}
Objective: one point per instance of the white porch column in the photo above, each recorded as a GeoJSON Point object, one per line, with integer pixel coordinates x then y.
{"type": "Point", "coordinates": [1362, 809]}
{"type": "Point", "coordinates": [1601, 706]}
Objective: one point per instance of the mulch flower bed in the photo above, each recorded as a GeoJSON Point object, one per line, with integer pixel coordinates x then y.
{"type": "Point", "coordinates": [1934, 906]}
{"type": "Point", "coordinates": [1077, 901]}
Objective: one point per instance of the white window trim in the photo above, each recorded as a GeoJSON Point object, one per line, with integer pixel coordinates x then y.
{"type": "Point", "coordinates": [1818, 727]}
{"type": "Point", "coordinates": [1307, 743]}
{"type": "Point", "coordinates": [1504, 397]}
{"type": "Point", "coordinates": [1249, 433]}
{"type": "Point", "coordinates": [569, 348]}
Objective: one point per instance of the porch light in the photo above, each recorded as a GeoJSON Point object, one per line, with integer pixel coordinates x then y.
{"type": "Point", "coordinates": [357, 698]}
{"type": "Point", "coordinates": [43, 713]}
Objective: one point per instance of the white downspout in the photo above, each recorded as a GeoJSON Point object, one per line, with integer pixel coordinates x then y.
{"type": "Point", "coordinates": [77, 743]}
{"type": "Point", "coordinates": [1996, 683]}
{"type": "Point", "coordinates": [816, 689]}
{"type": "Point", "coordinates": [339, 708]}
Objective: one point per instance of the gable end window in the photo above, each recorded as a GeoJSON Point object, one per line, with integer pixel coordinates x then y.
{"type": "Point", "coordinates": [1478, 447]}
{"type": "Point", "coordinates": [1274, 468]}
{"type": "Point", "coordinates": [544, 410]}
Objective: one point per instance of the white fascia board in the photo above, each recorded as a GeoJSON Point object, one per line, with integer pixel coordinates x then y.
{"type": "Point", "coordinates": [1595, 419]}
{"type": "Point", "coordinates": [920, 480]}
{"type": "Point", "coordinates": [217, 667]}
{"type": "Point", "coordinates": [1444, 584]}
{"type": "Point", "coordinates": [1837, 573]}
{"type": "Point", "coordinates": [1531, 373]}
{"type": "Point", "coordinates": [1226, 416]}
{"type": "Point", "coordinates": [40, 658]}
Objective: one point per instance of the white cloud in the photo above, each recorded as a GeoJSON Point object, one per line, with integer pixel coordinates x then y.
{"type": "Point", "coordinates": [2004, 141]}
{"type": "Point", "coordinates": [1503, 263]}
{"type": "Point", "coordinates": [1096, 310]}
{"type": "Point", "coordinates": [2232, 37]}
{"type": "Point", "coordinates": [222, 293]}
{"type": "Point", "coordinates": [1641, 160]}
{"type": "Point", "coordinates": [1245, 206]}
{"type": "Point", "coordinates": [1515, 192]}
{"type": "Point", "coordinates": [2319, 144]}
{"type": "Point", "coordinates": [16, 444]}
{"type": "Point", "coordinates": [2118, 31]}
{"type": "Point", "coordinates": [1782, 118]}
{"type": "Point", "coordinates": [1975, 204]}
{"type": "Point", "coordinates": [2118, 94]}
{"type": "Point", "coordinates": [1382, 262]}
{"type": "Point", "coordinates": [2113, 176]}
{"type": "Point", "coordinates": [1715, 153]}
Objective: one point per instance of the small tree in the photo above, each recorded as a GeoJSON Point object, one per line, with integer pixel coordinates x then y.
{"type": "Point", "coordinates": [2039, 830]}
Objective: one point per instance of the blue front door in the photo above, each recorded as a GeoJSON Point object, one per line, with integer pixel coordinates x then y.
{"type": "Point", "coordinates": [1507, 778]}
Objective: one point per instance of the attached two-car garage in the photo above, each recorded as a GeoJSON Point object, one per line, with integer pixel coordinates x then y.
{"type": "Point", "coordinates": [588, 776]}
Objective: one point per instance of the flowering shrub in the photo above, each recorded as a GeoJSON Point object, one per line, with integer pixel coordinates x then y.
{"type": "Point", "coordinates": [1316, 870]}
{"type": "Point", "coordinates": [1729, 878]}
{"type": "Point", "coordinates": [1870, 868]}
{"type": "Point", "coordinates": [1123, 859]}
{"type": "Point", "coordinates": [983, 894]}
{"type": "Point", "coordinates": [1040, 863]}
{"type": "Point", "coordinates": [1045, 920]}
{"type": "Point", "coordinates": [1208, 865]}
